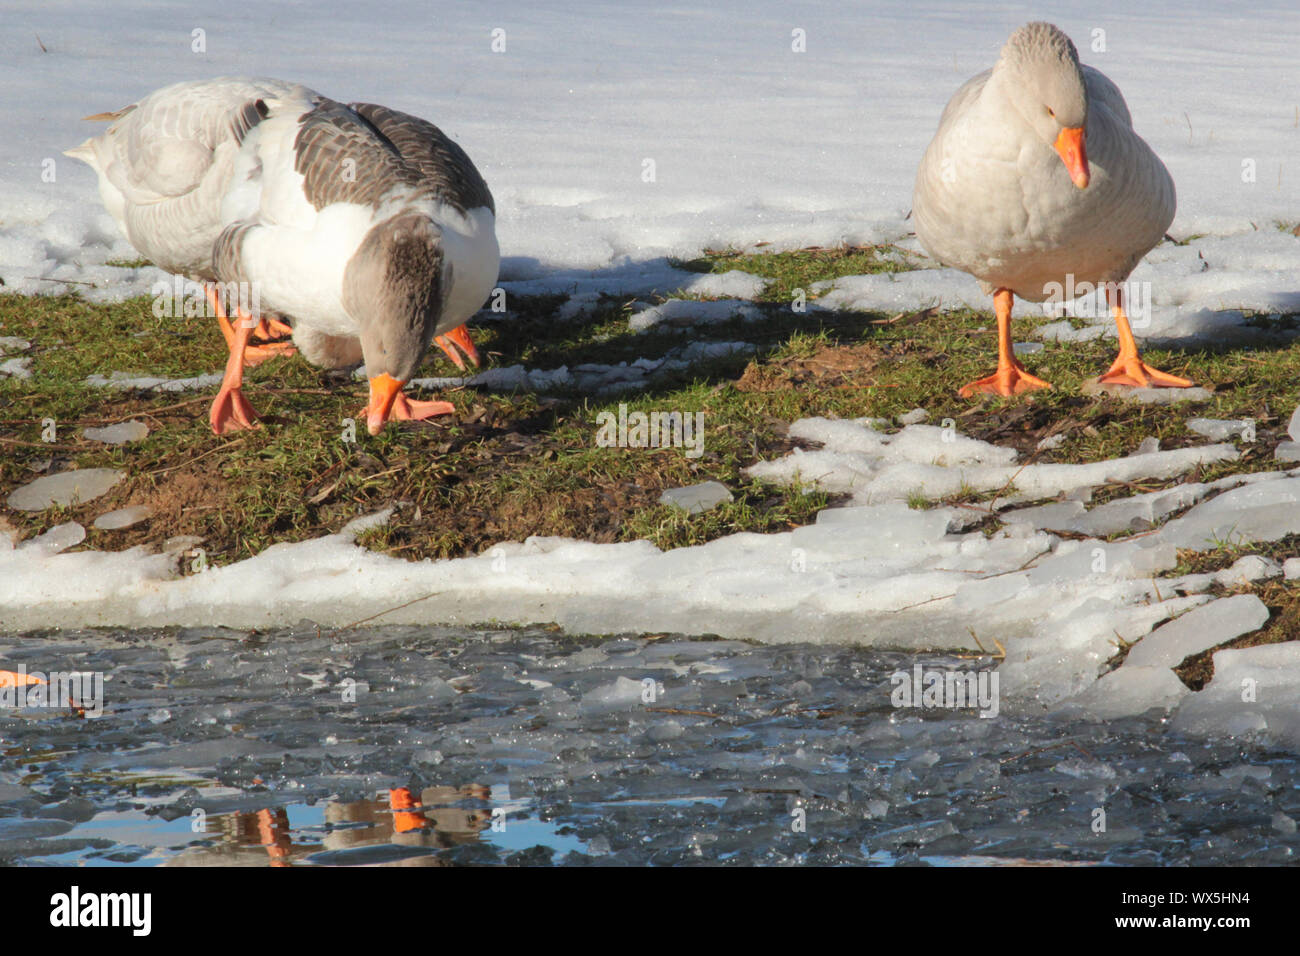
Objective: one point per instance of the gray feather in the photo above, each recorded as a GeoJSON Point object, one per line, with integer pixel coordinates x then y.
{"type": "Point", "coordinates": [359, 153]}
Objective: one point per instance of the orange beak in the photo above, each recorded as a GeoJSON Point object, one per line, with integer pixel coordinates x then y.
{"type": "Point", "coordinates": [384, 390]}
{"type": "Point", "coordinates": [1069, 145]}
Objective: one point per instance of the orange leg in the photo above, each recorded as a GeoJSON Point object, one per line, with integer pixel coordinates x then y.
{"type": "Point", "coordinates": [1011, 377]}
{"type": "Point", "coordinates": [458, 337]}
{"type": "Point", "coordinates": [1128, 368]}
{"type": "Point", "coordinates": [254, 355]}
{"type": "Point", "coordinates": [231, 410]}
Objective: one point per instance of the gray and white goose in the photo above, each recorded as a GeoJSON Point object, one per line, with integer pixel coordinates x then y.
{"type": "Point", "coordinates": [367, 228]}
{"type": "Point", "coordinates": [1034, 175]}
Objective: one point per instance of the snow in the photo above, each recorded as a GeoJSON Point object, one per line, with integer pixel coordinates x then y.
{"type": "Point", "coordinates": [125, 380]}
{"type": "Point", "coordinates": [1254, 690]}
{"type": "Point", "coordinates": [1198, 630]}
{"type": "Point", "coordinates": [881, 574]}
{"type": "Point", "coordinates": [780, 147]}
{"type": "Point", "coordinates": [938, 461]}
{"type": "Point", "coordinates": [1217, 429]}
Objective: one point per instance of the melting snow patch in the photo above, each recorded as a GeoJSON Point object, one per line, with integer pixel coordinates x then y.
{"type": "Point", "coordinates": [123, 518]}
{"type": "Point", "coordinates": [1198, 630]}
{"type": "Point", "coordinates": [937, 462]}
{"type": "Point", "coordinates": [65, 488]}
{"type": "Point", "coordinates": [697, 499]}
{"type": "Point", "coordinates": [126, 380]}
{"type": "Point", "coordinates": [1255, 690]}
{"type": "Point", "coordinates": [680, 313]}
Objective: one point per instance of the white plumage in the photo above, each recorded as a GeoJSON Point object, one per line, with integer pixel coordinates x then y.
{"type": "Point", "coordinates": [1035, 175]}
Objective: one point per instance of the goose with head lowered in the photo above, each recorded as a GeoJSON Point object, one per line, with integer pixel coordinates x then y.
{"type": "Point", "coordinates": [366, 229]}
{"type": "Point", "coordinates": [1035, 182]}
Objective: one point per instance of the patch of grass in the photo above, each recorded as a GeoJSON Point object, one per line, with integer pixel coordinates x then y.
{"type": "Point", "coordinates": [509, 465]}
{"type": "Point", "coordinates": [801, 268]}
{"type": "Point", "coordinates": [137, 263]}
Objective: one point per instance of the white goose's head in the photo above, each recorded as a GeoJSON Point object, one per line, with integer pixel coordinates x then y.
{"type": "Point", "coordinates": [1043, 79]}
{"type": "Point", "coordinates": [393, 288]}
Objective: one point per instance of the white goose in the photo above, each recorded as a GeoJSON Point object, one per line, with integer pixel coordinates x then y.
{"type": "Point", "coordinates": [1034, 174]}
{"type": "Point", "coordinates": [368, 229]}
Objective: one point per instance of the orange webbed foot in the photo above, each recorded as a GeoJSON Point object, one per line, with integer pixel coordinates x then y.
{"type": "Point", "coordinates": [231, 411]}
{"type": "Point", "coordinates": [1131, 370]}
{"type": "Point", "coordinates": [1008, 380]}
{"type": "Point", "coordinates": [255, 355]}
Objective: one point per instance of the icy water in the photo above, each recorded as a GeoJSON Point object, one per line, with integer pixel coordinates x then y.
{"type": "Point", "coordinates": [441, 746]}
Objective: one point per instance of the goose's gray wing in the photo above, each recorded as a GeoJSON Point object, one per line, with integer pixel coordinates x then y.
{"type": "Point", "coordinates": [444, 166]}
{"type": "Point", "coordinates": [343, 157]}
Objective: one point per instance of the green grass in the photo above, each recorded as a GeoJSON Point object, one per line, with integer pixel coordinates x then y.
{"type": "Point", "coordinates": [506, 465]}
{"type": "Point", "coordinates": [800, 268]}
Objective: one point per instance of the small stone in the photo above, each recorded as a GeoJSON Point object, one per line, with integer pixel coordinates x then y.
{"type": "Point", "coordinates": [1293, 427]}
{"type": "Point", "coordinates": [118, 434]}
{"type": "Point", "coordinates": [1291, 568]}
{"type": "Point", "coordinates": [122, 518]}
{"type": "Point", "coordinates": [1149, 446]}
{"type": "Point", "coordinates": [66, 488]}
{"type": "Point", "coordinates": [1027, 348]}
{"type": "Point", "coordinates": [1283, 823]}
{"type": "Point", "coordinates": [696, 499]}
{"type": "Point", "coordinates": [1047, 444]}
{"type": "Point", "coordinates": [914, 417]}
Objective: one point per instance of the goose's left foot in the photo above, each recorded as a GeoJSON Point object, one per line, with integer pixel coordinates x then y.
{"type": "Point", "coordinates": [1131, 370]}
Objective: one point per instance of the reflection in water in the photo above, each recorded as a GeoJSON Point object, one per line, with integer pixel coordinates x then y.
{"type": "Point", "coordinates": [397, 828]}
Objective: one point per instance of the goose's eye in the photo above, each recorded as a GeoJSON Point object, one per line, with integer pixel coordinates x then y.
{"type": "Point", "coordinates": [1051, 112]}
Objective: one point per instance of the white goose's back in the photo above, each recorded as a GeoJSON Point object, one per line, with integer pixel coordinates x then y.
{"type": "Point", "coordinates": [166, 162]}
